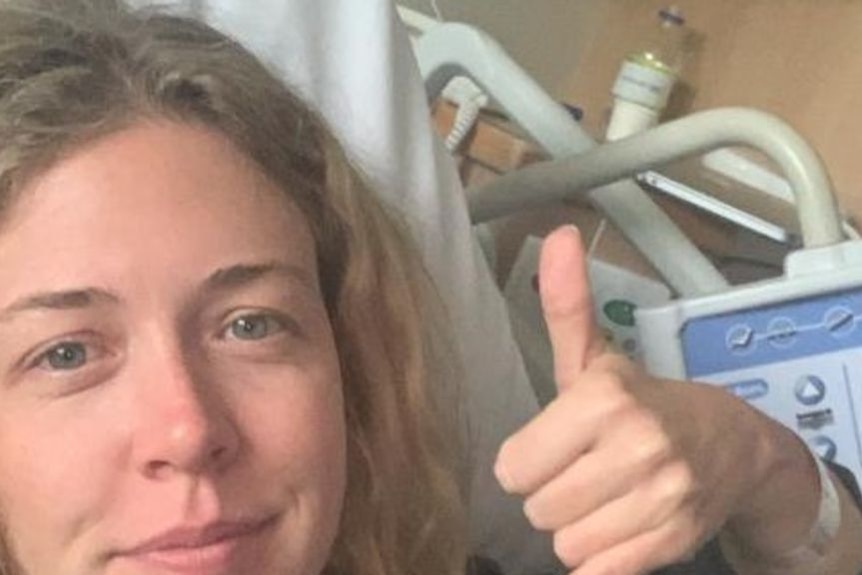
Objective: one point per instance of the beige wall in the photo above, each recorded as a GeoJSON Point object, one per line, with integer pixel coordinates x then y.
{"type": "Point", "coordinates": [544, 36]}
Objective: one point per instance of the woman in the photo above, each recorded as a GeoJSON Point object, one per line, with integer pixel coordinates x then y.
{"type": "Point", "coordinates": [214, 361]}
{"type": "Point", "coordinates": [216, 347]}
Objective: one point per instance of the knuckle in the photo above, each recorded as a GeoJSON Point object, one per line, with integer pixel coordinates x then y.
{"type": "Point", "coordinates": [662, 448]}
{"type": "Point", "coordinates": [617, 403]}
{"type": "Point", "coordinates": [648, 454]}
{"type": "Point", "coordinates": [652, 446]}
{"type": "Point", "coordinates": [676, 489]}
{"type": "Point", "coordinates": [681, 480]}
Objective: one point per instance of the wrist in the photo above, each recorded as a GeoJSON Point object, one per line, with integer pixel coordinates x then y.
{"type": "Point", "coordinates": [826, 526]}
{"type": "Point", "coordinates": [785, 501]}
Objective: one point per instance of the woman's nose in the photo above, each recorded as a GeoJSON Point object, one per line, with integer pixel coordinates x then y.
{"type": "Point", "coordinates": [185, 423]}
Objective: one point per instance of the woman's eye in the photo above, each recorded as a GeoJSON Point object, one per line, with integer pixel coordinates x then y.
{"type": "Point", "coordinates": [63, 356]}
{"type": "Point", "coordinates": [252, 327]}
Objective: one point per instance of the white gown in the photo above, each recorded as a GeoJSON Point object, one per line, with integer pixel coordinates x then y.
{"type": "Point", "coordinates": [352, 61]}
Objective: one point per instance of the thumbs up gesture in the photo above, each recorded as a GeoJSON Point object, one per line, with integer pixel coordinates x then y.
{"type": "Point", "coordinates": [629, 472]}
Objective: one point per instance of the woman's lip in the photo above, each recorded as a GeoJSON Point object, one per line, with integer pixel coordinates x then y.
{"type": "Point", "coordinates": [197, 549]}
{"type": "Point", "coordinates": [197, 536]}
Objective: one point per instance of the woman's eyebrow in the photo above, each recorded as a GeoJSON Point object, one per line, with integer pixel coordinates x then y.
{"type": "Point", "coordinates": [58, 300]}
{"type": "Point", "coordinates": [220, 280]}
{"type": "Point", "coordinates": [242, 274]}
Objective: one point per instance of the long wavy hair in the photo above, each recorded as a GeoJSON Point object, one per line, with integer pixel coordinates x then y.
{"type": "Point", "coordinates": [72, 71]}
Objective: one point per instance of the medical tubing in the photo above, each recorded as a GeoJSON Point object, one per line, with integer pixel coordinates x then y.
{"type": "Point", "coordinates": [452, 49]}
{"type": "Point", "coordinates": [696, 134]}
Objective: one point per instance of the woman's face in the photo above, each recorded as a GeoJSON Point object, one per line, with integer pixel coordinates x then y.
{"type": "Point", "coordinates": [170, 397]}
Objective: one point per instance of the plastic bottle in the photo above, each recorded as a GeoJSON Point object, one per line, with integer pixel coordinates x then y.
{"type": "Point", "coordinates": [647, 76]}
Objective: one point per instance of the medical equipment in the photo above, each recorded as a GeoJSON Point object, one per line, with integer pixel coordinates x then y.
{"type": "Point", "coordinates": [786, 345]}
{"type": "Point", "coordinates": [789, 345]}
{"type": "Point", "coordinates": [544, 182]}
{"type": "Point", "coordinates": [452, 49]}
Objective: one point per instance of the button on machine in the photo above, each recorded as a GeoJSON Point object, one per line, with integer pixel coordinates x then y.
{"type": "Point", "coordinates": [824, 447]}
{"type": "Point", "coordinates": [781, 332]}
{"type": "Point", "coordinates": [749, 390]}
{"type": "Point", "coordinates": [840, 321]}
{"type": "Point", "coordinates": [740, 339]}
{"type": "Point", "coordinates": [810, 390]}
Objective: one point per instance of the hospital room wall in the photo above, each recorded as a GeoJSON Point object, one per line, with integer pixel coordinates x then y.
{"type": "Point", "coordinates": [800, 59]}
{"type": "Point", "coordinates": [568, 25]}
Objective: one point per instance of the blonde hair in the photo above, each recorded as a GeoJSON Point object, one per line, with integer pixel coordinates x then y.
{"type": "Point", "coordinates": [72, 71]}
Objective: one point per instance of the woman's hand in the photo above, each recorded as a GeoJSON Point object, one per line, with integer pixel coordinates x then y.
{"type": "Point", "coordinates": [629, 472]}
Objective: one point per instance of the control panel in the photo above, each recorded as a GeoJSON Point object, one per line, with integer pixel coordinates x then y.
{"type": "Point", "coordinates": [790, 346]}
{"type": "Point", "coordinates": [800, 362]}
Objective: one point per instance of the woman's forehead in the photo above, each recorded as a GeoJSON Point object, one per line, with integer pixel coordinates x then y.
{"type": "Point", "coordinates": [152, 196]}
{"type": "Point", "coordinates": [189, 157]}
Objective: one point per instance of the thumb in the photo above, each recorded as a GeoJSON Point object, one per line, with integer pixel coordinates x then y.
{"type": "Point", "coordinates": [567, 304]}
